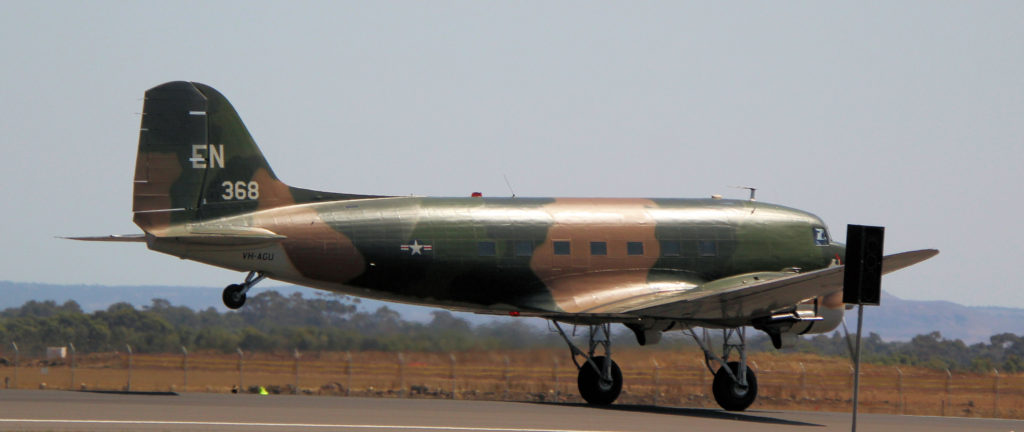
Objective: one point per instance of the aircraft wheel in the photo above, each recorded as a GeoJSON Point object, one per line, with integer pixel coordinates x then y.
{"type": "Point", "coordinates": [731, 396]}
{"type": "Point", "coordinates": [593, 389]}
{"type": "Point", "coordinates": [233, 296]}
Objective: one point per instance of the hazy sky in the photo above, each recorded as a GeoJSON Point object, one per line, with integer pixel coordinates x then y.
{"type": "Point", "coordinates": [903, 114]}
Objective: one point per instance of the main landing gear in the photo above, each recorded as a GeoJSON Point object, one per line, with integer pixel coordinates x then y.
{"type": "Point", "coordinates": [735, 385]}
{"type": "Point", "coordinates": [234, 294]}
{"type": "Point", "coordinates": [599, 378]}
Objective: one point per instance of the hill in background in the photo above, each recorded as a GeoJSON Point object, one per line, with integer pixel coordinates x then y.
{"type": "Point", "coordinates": [899, 319]}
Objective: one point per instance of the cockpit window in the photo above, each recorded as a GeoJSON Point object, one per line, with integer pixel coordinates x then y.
{"type": "Point", "coordinates": [820, 236]}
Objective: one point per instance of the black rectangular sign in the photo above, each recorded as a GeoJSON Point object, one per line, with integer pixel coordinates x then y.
{"type": "Point", "coordinates": [862, 283]}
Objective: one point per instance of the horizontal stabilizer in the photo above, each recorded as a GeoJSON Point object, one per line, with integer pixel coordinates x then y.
{"type": "Point", "coordinates": [222, 236]}
{"type": "Point", "coordinates": [112, 238]}
{"type": "Point", "coordinates": [217, 236]}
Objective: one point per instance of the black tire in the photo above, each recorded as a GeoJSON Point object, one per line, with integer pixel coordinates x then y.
{"type": "Point", "coordinates": [233, 296]}
{"type": "Point", "coordinates": [592, 389]}
{"type": "Point", "coordinates": [729, 395]}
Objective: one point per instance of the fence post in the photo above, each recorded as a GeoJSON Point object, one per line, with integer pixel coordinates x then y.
{"type": "Point", "coordinates": [17, 354]}
{"type": "Point", "coordinates": [348, 373]}
{"type": "Point", "coordinates": [899, 390]}
{"type": "Point", "coordinates": [451, 356]}
{"type": "Point", "coordinates": [852, 373]}
{"type": "Point", "coordinates": [995, 393]}
{"type": "Point", "coordinates": [508, 378]}
{"type": "Point", "coordinates": [554, 374]}
{"type": "Point", "coordinates": [401, 375]}
{"type": "Point", "coordinates": [296, 390]}
{"type": "Point", "coordinates": [702, 369]}
{"type": "Point", "coordinates": [241, 386]}
{"type": "Point", "coordinates": [762, 374]}
{"type": "Point", "coordinates": [72, 365]}
{"type": "Point", "coordinates": [129, 348]}
{"type": "Point", "coordinates": [949, 384]}
{"type": "Point", "coordinates": [184, 369]}
{"type": "Point", "coordinates": [655, 375]}
{"type": "Point", "coordinates": [803, 380]}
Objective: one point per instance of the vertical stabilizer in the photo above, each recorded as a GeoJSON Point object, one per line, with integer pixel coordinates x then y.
{"type": "Point", "coordinates": [197, 161]}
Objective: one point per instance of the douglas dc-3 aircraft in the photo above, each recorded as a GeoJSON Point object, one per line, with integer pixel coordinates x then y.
{"type": "Point", "coordinates": [204, 192]}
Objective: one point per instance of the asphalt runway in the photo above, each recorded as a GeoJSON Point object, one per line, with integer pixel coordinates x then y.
{"type": "Point", "coordinates": [54, 410]}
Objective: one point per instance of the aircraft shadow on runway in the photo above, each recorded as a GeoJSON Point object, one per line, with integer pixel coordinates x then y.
{"type": "Point", "coordinates": [692, 412]}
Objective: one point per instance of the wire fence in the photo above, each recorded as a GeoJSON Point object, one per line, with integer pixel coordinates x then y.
{"type": "Point", "coordinates": [665, 378]}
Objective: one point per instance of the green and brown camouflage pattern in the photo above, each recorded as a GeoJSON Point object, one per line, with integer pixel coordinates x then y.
{"type": "Point", "coordinates": [178, 178]}
{"type": "Point", "coordinates": [195, 156]}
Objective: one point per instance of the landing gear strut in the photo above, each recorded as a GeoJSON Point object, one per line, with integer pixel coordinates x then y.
{"type": "Point", "coordinates": [735, 385]}
{"type": "Point", "coordinates": [234, 294]}
{"type": "Point", "coordinates": [599, 378]}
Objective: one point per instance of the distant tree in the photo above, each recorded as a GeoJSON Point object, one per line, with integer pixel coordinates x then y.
{"type": "Point", "coordinates": [174, 315]}
{"type": "Point", "coordinates": [145, 332]}
{"type": "Point", "coordinates": [42, 309]}
{"type": "Point", "coordinates": [253, 339]}
{"type": "Point", "coordinates": [216, 338]}
{"type": "Point", "coordinates": [1013, 364]}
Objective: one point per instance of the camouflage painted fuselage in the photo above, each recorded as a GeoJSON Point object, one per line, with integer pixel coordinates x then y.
{"type": "Point", "coordinates": [499, 254]}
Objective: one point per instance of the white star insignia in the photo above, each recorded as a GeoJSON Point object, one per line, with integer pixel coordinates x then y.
{"type": "Point", "coordinates": [416, 248]}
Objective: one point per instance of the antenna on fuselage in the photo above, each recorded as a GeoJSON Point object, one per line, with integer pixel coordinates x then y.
{"type": "Point", "coordinates": [509, 185]}
{"type": "Point", "coordinates": [753, 191]}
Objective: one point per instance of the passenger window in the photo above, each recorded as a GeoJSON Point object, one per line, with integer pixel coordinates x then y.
{"type": "Point", "coordinates": [635, 248]}
{"type": "Point", "coordinates": [670, 248]}
{"type": "Point", "coordinates": [486, 248]}
{"type": "Point", "coordinates": [707, 248]}
{"type": "Point", "coordinates": [524, 248]}
{"type": "Point", "coordinates": [561, 248]}
{"type": "Point", "coordinates": [598, 248]}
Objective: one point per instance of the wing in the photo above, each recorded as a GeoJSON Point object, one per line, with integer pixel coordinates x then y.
{"type": "Point", "coordinates": [729, 301]}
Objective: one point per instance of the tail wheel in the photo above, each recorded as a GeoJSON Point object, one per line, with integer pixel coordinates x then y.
{"type": "Point", "coordinates": [595, 390]}
{"type": "Point", "coordinates": [729, 394]}
{"type": "Point", "coordinates": [233, 296]}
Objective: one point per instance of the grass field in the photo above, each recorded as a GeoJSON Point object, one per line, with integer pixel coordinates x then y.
{"type": "Point", "coordinates": [671, 378]}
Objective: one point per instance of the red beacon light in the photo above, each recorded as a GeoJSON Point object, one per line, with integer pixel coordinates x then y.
{"type": "Point", "coordinates": [476, 195]}
{"type": "Point", "coordinates": [513, 313]}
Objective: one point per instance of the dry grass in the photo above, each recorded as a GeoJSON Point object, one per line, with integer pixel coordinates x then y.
{"type": "Point", "coordinates": [786, 381]}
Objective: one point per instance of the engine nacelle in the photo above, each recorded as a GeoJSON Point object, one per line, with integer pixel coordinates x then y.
{"type": "Point", "coordinates": [648, 331]}
{"type": "Point", "coordinates": [830, 319]}
{"type": "Point", "coordinates": [819, 315]}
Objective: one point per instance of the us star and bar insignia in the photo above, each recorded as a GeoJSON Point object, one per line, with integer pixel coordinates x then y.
{"type": "Point", "coordinates": [416, 248]}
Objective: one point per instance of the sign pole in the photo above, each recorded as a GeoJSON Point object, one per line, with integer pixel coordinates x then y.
{"type": "Point", "coordinates": [856, 365]}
